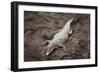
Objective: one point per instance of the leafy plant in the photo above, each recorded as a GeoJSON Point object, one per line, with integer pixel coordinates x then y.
{"type": "Point", "coordinates": [28, 15]}
{"type": "Point", "coordinates": [49, 34]}
{"type": "Point", "coordinates": [45, 15]}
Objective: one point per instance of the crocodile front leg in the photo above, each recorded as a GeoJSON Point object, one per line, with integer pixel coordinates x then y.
{"type": "Point", "coordinates": [63, 47]}
{"type": "Point", "coordinates": [45, 43]}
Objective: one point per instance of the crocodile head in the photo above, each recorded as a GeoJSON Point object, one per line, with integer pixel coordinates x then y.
{"type": "Point", "coordinates": [51, 46]}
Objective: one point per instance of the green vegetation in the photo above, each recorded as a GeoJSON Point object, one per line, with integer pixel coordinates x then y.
{"type": "Point", "coordinates": [49, 34]}
{"type": "Point", "coordinates": [28, 15]}
{"type": "Point", "coordinates": [45, 15]}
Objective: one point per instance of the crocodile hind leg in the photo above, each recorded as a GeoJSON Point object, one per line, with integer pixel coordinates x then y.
{"type": "Point", "coordinates": [70, 32]}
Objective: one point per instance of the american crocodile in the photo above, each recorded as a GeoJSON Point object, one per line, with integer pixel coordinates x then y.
{"type": "Point", "coordinates": [60, 37]}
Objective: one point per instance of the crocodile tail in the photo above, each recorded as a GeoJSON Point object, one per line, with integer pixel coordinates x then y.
{"type": "Point", "coordinates": [68, 23]}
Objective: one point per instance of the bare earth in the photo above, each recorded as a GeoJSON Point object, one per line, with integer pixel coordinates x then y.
{"type": "Point", "coordinates": [77, 45]}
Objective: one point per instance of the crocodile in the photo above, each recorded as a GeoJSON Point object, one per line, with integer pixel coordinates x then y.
{"type": "Point", "coordinates": [59, 38]}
